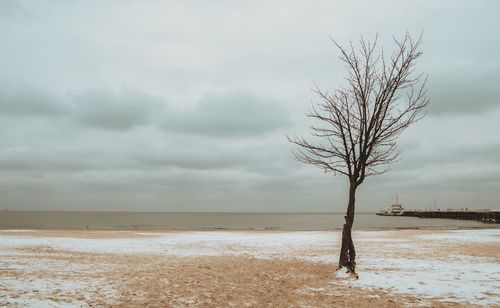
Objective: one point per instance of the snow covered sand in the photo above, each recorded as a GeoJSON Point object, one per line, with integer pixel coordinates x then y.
{"type": "Point", "coordinates": [213, 268]}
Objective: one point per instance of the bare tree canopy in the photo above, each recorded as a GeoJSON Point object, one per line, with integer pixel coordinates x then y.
{"type": "Point", "coordinates": [358, 125]}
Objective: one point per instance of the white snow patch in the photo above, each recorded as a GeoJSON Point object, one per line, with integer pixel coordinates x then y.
{"type": "Point", "coordinates": [33, 292]}
{"type": "Point", "coordinates": [469, 280]}
{"type": "Point", "coordinates": [342, 274]}
{"type": "Point", "coordinates": [477, 236]}
{"type": "Point", "coordinates": [185, 243]}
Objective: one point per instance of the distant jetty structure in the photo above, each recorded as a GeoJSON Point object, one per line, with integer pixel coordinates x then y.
{"type": "Point", "coordinates": [487, 216]}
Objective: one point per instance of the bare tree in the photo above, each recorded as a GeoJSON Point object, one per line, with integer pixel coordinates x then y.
{"type": "Point", "coordinates": [360, 123]}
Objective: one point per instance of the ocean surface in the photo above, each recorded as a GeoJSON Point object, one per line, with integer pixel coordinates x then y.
{"type": "Point", "coordinates": [230, 221]}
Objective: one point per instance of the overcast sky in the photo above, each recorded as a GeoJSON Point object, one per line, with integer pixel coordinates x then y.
{"type": "Point", "coordinates": [186, 105]}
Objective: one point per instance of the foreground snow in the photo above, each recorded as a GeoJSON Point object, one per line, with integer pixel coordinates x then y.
{"type": "Point", "coordinates": [430, 264]}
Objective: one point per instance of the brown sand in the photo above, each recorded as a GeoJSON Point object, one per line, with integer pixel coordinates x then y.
{"type": "Point", "coordinates": [123, 280]}
{"type": "Point", "coordinates": [156, 281]}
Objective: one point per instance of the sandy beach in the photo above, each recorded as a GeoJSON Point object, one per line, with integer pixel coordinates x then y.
{"type": "Point", "coordinates": [439, 268]}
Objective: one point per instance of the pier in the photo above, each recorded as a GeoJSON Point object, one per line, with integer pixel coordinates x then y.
{"type": "Point", "coordinates": [487, 216]}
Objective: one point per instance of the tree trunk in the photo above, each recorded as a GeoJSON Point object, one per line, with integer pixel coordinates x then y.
{"type": "Point", "coordinates": [347, 253]}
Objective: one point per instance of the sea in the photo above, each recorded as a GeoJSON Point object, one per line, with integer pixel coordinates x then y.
{"type": "Point", "coordinates": [220, 221]}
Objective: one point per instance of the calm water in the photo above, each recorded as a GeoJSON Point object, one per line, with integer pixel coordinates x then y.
{"type": "Point", "coordinates": [259, 221]}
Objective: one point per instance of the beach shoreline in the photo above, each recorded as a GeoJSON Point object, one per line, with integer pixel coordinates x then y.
{"type": "Point", "coordinates": [221, 221]}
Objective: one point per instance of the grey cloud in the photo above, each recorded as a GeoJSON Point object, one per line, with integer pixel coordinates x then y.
{"type": "Point", "coordinates": [41, 161]}
{"type": "Point", "coordinates": [488, 153]}
{"type": "Point", "coordinates": [452, 168]}
{"type": "Point", "coordinates": [10, 7]}
{"type": "Point", "coordinates": [98, 108]}
{"type": "Point", "coordinates": [464, 90]}
{"type": "Point", "coordinates": [229, 115]}
{"type": "Point", "coordinates": [108, 109]}
{"type": "Point", "coordinates": [144, 151]}
{"type": "Point", "coordinates": [271, 157]}
{"type": "Point", "coordinates": [450, 155]}
{"type": "Point", "coordinates": [197, 159]}
{"type": "Point", "coordinates": [26, 100]}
